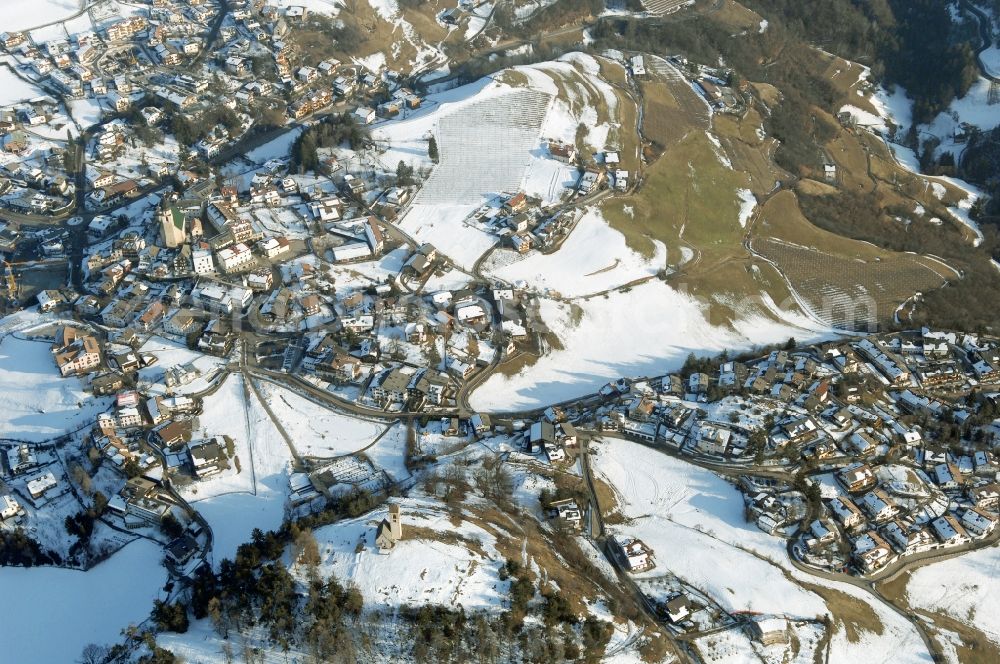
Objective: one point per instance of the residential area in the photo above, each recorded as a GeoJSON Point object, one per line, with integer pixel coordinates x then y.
{"type": "Point", "coordinates": [345, 354]}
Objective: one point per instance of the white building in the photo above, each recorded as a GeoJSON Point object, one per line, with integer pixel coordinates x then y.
{"type": "Point", "coordinates": [274, 246]}
{"type": "Point", "coordinates": [202, 261]}
{"type": "Point", "coordinates": [978, 522]}
{"type": "Point", "coordinates": [352, 251]}
{"type": "Point", "coordinates": [41, 484]}
{"type": "Point", "coordinates": [235, 257]}
{"type": "Point", "coordinates": [8, 507]}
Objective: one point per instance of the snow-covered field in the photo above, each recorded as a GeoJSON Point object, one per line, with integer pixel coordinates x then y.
{"type": "Point", "coordinates": [327, 7]}
{"type": "Point", "coordinates": [235, 504]}
{"type": "Point", "coordinates": [26, 14]}
{"type": "Point", "coordinates": [748, 203]}
{"type": "Point", "coordinates": [13, 89]}
{"type": "Point", "coordinates": [36, 403]}
{"type": "Point", "coordinates": [991, 60]}
{"type": "Point", "coordinates": [694, 522]}
{"type": "Point", "coordinates": [485, 146]}
{"type": "Point", "coordinates": [279, 148]}
{"type": "Point", "coordinates": [675, 506]}
{"type": "Point", "coordinates": [86, 112]}
{"type": "Point", "coordinates": [428, 566]}
{"type": "Point", "coordinates": [317, 430]}
{"type": "Point", "coordinates": [389, 453]}
{"type": "Point", "coordinates": [491, 139]}
{"type": "Point", "coordinates": [974, 108]}
{"type": "Point", "coordinates": [170, 354]}
{"type": "Point", "coordinates": [965, 588]}
{"type": "Point", "coordinates": [424, 569]}
{"type": "Point", "coordinates": [49, 614]}
{"type": "Point", "coordinates": [444, 226]}
{"type": "Point", "coordinates": [594, 258]}
{"type": "Point", "coordinates": [646, 331]}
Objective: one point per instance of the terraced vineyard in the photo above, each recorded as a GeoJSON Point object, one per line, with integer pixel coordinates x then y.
{"type": "Point", "coordinates": [671, 107]}
{"type": "Point", "coordinates": [664, 7]}
{"type": "Point", "coordinates": [850, 292]}
{"type": "Point", "coordinates": [485, 147]}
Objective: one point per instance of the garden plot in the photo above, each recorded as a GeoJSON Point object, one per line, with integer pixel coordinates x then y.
{"type": "Point", "coordinates": [363, 275]}
{"type": "Point", "coordinates": [317, 430]}
{"type": "Point", "coordinates": [288, 222]}
{"type": "Point", "coordinates": [594, 258]}
{"type": "Point", "coordinates": [36, 403]}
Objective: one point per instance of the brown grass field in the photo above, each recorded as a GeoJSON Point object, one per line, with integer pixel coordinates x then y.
{"type": "Point", "coordinates": [974, 647]}
{"type": "Point", "coordinates": [826, 269]}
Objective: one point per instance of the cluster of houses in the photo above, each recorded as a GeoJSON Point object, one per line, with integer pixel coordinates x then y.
{"type": "Point", "coordinates": [876, 514]}
{"type": "Point", "coordinates": [522, 223]}
{"type": "Point", "coordinates": [897, 433]}
{"type": "Point", "coordinates": [34, 478]}
{"type": "Point", "coordinates": [129, 67]}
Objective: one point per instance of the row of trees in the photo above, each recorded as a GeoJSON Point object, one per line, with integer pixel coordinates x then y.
{"type": "Point", "coordinates": [19, 550]}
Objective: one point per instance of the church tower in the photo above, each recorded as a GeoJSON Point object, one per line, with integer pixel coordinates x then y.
{"type": "Point", "coordinates": [395, 525]}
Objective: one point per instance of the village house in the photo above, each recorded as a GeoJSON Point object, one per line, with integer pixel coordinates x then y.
{"type": "Point", "coordinates": [769, 631]}
{"type": "Point", "coordinates": [677, 608]}
{"type": "Point", "coordinates": [846, 512]}
{"type": "Point", "coordinates": [235, 258]}
{"type": "Point", "coordinates": [208, 457]}
{"type": "Point", "coordinates": [986, 496]}
{"type": "Point", "coordinates": [949, 531]}
{"type": "Point", "coordinates": [978, 522]}
{"type": "Point", "coordinates": [908, 538]}
{"type": "Point", "coordinates": [41, 485]}
{"type": "Point", "coordinates": [871, 552]}
{"type": "Point", "coordinates": [856, 477]}
{"type": "Point", "coordinates": [634, 554]}
{"type": "Point", "coordinates": [75, 352]}
{"type": "Point", "coordinates": [879, 506]}
{"type": "Point", "coordinates": [568, 512]}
